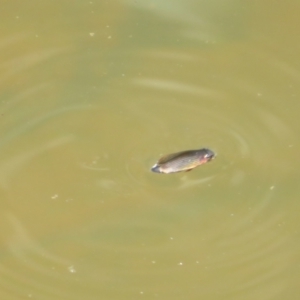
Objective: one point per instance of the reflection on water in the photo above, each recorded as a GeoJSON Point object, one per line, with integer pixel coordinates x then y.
{"type": "Point", "coordinates": [197, 21]}
{"type": "Point", "coordinates": [85, 112]}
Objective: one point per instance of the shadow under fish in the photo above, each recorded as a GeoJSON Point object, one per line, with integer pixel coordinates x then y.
{"type": "Point", "coordinates": [183, 161]}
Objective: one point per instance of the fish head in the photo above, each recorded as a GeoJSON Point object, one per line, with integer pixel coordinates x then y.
{"type": "Point", "coordinates": [207, 156]}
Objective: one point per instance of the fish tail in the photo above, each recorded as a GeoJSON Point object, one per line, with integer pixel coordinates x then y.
{"type": "Point", "coordinates": [156, 169]}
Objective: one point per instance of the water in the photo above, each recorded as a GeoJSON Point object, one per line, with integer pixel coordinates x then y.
{"type": "Point", "coordinates": [92, 94]}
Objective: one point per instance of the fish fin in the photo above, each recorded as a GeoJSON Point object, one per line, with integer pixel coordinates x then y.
{"type": "Point", "coordinates": [168, 157]}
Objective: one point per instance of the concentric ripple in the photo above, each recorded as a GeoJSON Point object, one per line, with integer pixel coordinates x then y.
{"type": "Point", "coordinates": [82, 215]}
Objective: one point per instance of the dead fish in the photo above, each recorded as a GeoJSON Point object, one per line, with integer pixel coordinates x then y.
{"type": "Point", "coordinates": [183, 161]}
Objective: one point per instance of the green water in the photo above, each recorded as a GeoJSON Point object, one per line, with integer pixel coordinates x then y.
{"type": "Point", "coordinates": [93, 93]}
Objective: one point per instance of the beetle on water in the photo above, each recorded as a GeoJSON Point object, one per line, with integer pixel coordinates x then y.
{"type": "Point", "coordinates": [183, 161]}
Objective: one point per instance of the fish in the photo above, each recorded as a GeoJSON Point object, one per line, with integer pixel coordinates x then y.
{"type": "Point", "coordinates": [183, 161]}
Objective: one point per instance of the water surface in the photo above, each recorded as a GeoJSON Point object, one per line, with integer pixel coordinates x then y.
{"type": "Point", "coordinates": [93, 93]}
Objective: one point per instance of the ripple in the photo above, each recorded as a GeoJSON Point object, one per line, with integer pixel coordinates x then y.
{"type": "Point", "coordinates": [253, 139]}
{"type": "Point", "coordinates": [115, 223]}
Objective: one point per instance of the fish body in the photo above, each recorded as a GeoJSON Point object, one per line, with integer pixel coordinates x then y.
{"type": "Point", "coordinates": [183, 161]}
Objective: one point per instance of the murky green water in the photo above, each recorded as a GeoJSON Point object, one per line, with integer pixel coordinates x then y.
{"type": "Point", "coordinates": [93, 93]}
